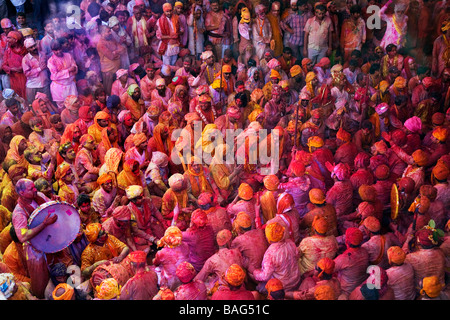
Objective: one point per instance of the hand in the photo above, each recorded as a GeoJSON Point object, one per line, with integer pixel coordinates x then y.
{"type": "Point", "coordinates": [50, 219]}
{"type": "Point", "coordinates": [56, 198]}
{"type": "Point", "coordinates": [305, 52]}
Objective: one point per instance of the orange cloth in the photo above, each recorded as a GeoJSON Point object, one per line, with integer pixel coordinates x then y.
{"type": "Point", "coordinates": [316, 196]}
{"type": "Point", "coordinates": [396, 255]}
{"type": "Point", "coordinates": [320, 224]}
{"type": "Point", "coordinates": [245, 191]}
{"type": "Point", "coordinates": [235, 275]}
{"type": "Point", "coordinates": [274, 232]}
{"type": "Point", "coordinates": [420, 157]}
{"type": "Point", "coordinates": [68, 292]}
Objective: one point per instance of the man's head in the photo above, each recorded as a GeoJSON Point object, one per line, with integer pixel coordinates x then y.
{"type": "Point", "coordinates": [26, 189]}
{"type": "Point", "coordinates": [215, 5]}
{"type": "Point", "coordinates": [106, 32]}
{"type": "Point", "coordinates": [57, 49]}
{"type": "Point", "coordinates": [21, 18]}
{"type": "Point", "coordinates": [84, 203]}
{"type": "Point", "coordinates": [12, 105]}
{"type": "Point", "coordinates": [320, 11]}
{"type": "Point", "coordinates": [36, 124]}
{"type": "Point", "coordinates": [67, 151]}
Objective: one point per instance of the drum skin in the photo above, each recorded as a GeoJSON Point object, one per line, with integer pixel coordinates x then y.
{"type": "Point", "coordinates": [60, 234]}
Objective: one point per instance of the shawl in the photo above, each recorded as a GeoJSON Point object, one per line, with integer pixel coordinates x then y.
{"type": "Point", "coordinates": [165, 31]}
{"type": "Point", "coordinates": [135, 33]}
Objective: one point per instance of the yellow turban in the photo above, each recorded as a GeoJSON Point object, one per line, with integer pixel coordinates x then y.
{"type": "Point", "coordinates": [274, 232]}
{"type": "Point", "coordinates": [178, 4]}
{"type": "Point", "coordinates": [254, 114]}
{"type": "Point", "coordinates": [396, 255]}
{"type": "Point", "coordinates": [295, 70]}
{"type": "Point", "coordinates": [440, 133]}
{"type": "Point", "coordinates": [245, 191]}
{"type": "Point", "coordinates": [235, 275]}
{"type": "Point", "coordinates": [139, 138]}
{"type": "Point", "coordinates": [172, 237]}
{"type": "Point", "coordinates": [383, 85]}
{"type": "Point", "coordinates": [134, 191]}
{"type": "Point", "coordinates": [400, 83]}
{"type": "Point", "coordinates": [92, 231]}
{"type": "Point", "coordinates": [310, 76]}
{"type": "Point", "coordinates": [315, 141]}
{"type": "Point", "coordinates": [108, 289]}
{"type": "Point", "coordinates": [431, 286]}
{"type": "Point", "coordinates": [104, 178]}
{"type": "Point", "coordinates": [275, 74]}
{"type": "Point", "coordinates": [68, 292]}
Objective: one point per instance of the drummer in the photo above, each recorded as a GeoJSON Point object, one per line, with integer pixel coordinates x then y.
{"type": "Point", "coordinates": [29, 200]}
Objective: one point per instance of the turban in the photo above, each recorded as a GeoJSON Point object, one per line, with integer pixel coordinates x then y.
{"type": "Point", "coordinates": [382, 108]}
{"type": "Point", "coordinates": [285, 203]}
{"type": "Point", "coordinates": [365, 209]}
{"type": "Point", "coordinates": [27, 116]}
{"type": "Point", "coordinates": [316, 196]}
{"type": "Point", "coordinates": [242, 220]}
{"type": "Point", "coordinates": [131, 88]}
{"type": "Point", "coordinates": [438, 118]}
{"type": "Point", "coordinates": [273, 285]}
{"type": "Point", "coordinates": [16, 35]}
{"type": "Point", "coordinates": [8, 93]}
{"type": "Point", "coordinates": [226, 68]}
{"type": "Point", "coordinates": [400, 83]}
{"type": "Point", "coordinates": [178, 4]}
{"type": "Point", "coordinates": [274, 232]}
{"type": "Point", "coordinates": [271, 182]}
{"type": "Point", "coordinates": [172, 237]}
{"type": "Point", "coordinates": [343, 135]}
{"type": "Point", "coordinates": [305, 61]}
{"type": "Point", "coordinates": [134, 191]}
{"type": "Point", "coordinates": [413, 124]}
{"type": "Point", "coordinates": [383, 85]}
{"type": "Point", "coordinates": [245, 191]}
{"type": "Point", "coordinates": [6, 23]}
{"type": "Point", "coordinates": [176, 181]}
{"type": "Point", "coordinates": [425, 237]}
{"type": "Point", "coordinates": [341, 171]}
{"type": "Point", "coordinates": [367, 193]}
{"type": "Point", "coordinates": [427, 82]}
{"type": "Point", "coordinates": [326, 265]}
{"type": "Point", "coordinates": [92, 230]}
{"type": "Point", "coordinates": [29, 42]}
{"type": "Point", "coordinates": [69, 101]}
{"type": "Point", "coordinates": [275, 74]}
{"type": "Point", "coordinates": [396, 255]}
{"type": "Point", "coordinates": [112, 101]}
{"type": "Point", "coordinates": [199, 218]}
{"type": "Point", "coordinates": [324, 292]}
{"type": "Point", "coordinates": [205, 198]}
{"type": "Point", "coordinates": [362, 160]}
{"type": "Point", "coordinates": [407, 184]}
{"type": "Point", "coordinates": [235, 275]}
{"type": "Point", "coordinates": [399, 137]}
{"type": "Point", "coordinates": [431, 286]}
{"type": "Point", "coordinates": [297, 168]}
{"type": "Point", "coordinates": [372, 224]}
{"type": "Point", "coordinates": [113, 21]}
{"type": "Point", "coordinates": [160, 82]}
{"type": "Point", "coordinates": [167, 6]}
{"type": "Point", "coordinates": [204, 98]}
{"type": "Point", "coordinates": [381, 147]}
{"type": "Point", "coordinates": [108, 289]}
{"type": "Point", "coordinates": [67, 294]}
{"type": "Point", "coordinates": [336, 68]}
{"type": "Point", "coordinates": [323, 62]}
{"type": "Point", "coordinates": [122, 213]}
{"type": "Point", "coordinates": [234, 112]}
{"type": "Point", "coordinates": [382, 172]}
{"type": "Point", "coordinates": [295, 70]}
{"type": "Point", "coordinates": [315, 141]}
{"type": "Point", "coordinates": [420, 157]}
{"type": "Point", "coordinates": [105, 177]}
{"type": "Point", "coordinates": [353, 236]}
{"type": "Point", "coordinates": [166, 294]}
{"type": "Point", "coordinates": [223, 236]}
{"type": "Point", "coordinates": [310, 76]}
{"type": "Point", "coordinates": [206, 54]}
{"type": "Point", "coordinates": [320, 224]}
{"type": "Point", "coordinates": [185, 272]}
{"type": "Point", "coordinates": [440, 172]}
{"type": "Point", "coordinates": [176, 81]}
{"type": "Point", "coordinates": [138, 256]}
{"type": "Point", "coordinates": [121, 72]}
{"type": "Point", "coordinates": [139, 138]}
{"type": "Point", "coordinates": [273, 63]}
{"type": "Point", "coordinates": [440, 133]}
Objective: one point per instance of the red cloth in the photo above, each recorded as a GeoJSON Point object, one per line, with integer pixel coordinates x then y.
{"type": "Point", "coordinates": [13, 59]}
{"type": "Point", "coordinates": [165, 31]}
{"type": "Point", "coordinates": [224, 293]}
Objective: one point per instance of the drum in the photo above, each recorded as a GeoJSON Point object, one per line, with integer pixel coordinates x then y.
{"type": "Point", "coordinates": [60, 234]}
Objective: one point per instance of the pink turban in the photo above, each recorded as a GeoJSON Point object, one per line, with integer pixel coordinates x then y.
{"type": "Point", "coordinates": [273, 63]}
{"type": "Point", "coordinates": [185, 272]}
{"type": "Point", "coordinates": [362, 160]}
{"type": "Point", "coordinates": [414, 124]}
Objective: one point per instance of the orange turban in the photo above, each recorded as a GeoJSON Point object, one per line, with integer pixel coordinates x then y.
{"type": "Point", "coordinates": [324, 292]}
{"type": "Point", "coordinates": [275, 74]}
{"type": "Point", "coordinates": [245, 191]}
{"type": "Point", "coordinates": [440, 172]}
{"type": "Point", "coordinates": [274, 284]}
{"type": "Point", "coordinates": [320, 224]}
{"type": "Point", "coordinates": [343, 135]}
{"type": "Point", "coordinates": [172, 237]}
{"type": "Point", "coordinates": [326, 265]}
{"type": "Point", "coordinates": [274, 232]}
{"type": "Point", "coordinates": [226, 68]}
{"type": "Point", "coordinates": [108, 289]}
{"type": "Point", "coordinates": [139, 138]}
{"type": "Point", "coordinates": [295, 70]}
{"type": "Point", "coordinates": [242, 220]}
{"type": "Point", "coordinates": [271, 182]}
{"type": "Point", "coordinates": [400, 83]}
{"type": "Point", "coordinates": [353, 236]}
{"type": "Point", "coordinates": [185, 272]}
{"type": "Point", "coordinates": [367, 193]}
{"type": "Point", "coordinates": [166, 294]}
{"type": "Point", "coordinates": [396, 255]}
{"type": "Point", "coordinates": [138, 256]}
{"type": "Point", "coordinates": [316, 196]}
{"type": "Point", "coordinates": [205, 198]}
{"type": "Point", "coordinates": [297, 168]}
{"type": "Point", "coordinates": [68, 292]}
{"type": "Point", "coordinates": [199, 218]}
{"type": "Point", "coordinates": [372, 224]}
{"type": "Point", "coordinates": [365, 209]}
{"type": "Point", "coordinates": [105, 177]}
{"type": "Point", "coordinates": [223, 236]}
{"type": "Point", "coordinates": [235, 275]}
{"type": "Point", "coordinates": [420, 157]}
{"type": "Point", "coordinates": [310, 76]}
{"type": "Point", "coordinates": [440, 133]}
{"type": "Point", "coordinates": [431, 286]}
{"type": "Point", "coordinates": [92, 230]}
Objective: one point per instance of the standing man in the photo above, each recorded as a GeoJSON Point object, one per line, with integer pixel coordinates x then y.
{"type": "Point", "coordinates": [34, 66]}
{"type": "Point", "coordinates": [318, 35]}
{"type": "Point", "coordinates": [353, 32]}
{"type": "Point", "coordinates": [261, 31]}
{"type": "Point", "coordinates": [12, 62]}
{"type": "Point", "coordinates": [168, 31]}
{"type": "Point", "coordinates": [215, 24]}
{"type": "Point", "coordinates": [110, 52]}
{"type": "Point", "coordinates": [294, 26]}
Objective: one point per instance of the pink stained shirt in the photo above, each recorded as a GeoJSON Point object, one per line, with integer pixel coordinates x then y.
{"type": "Point", "coordinates": [36, 77]}
{"type": "Point", "coordinates": [351, 267]}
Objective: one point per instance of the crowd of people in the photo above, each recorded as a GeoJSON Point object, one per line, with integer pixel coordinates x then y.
{"type": "Point", "coordinates": [131, 112]}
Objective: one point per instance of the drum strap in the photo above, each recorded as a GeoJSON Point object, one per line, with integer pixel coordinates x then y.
{"type": "Point", "coordinates": [27, 206]}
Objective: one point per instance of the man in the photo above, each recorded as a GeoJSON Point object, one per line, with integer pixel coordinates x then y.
{"type": "Point", "coordinates": [318, 35]}
{"type": "Point", "coordinates": [137, 29]}
{"type": "Point", "coordinates": [46, 140]}
{"type": "Point", "coordinates": [215, 24]}
{"type": "Point", "coordinates": [139, 151]}
{"type": "Point", "coordinates": [85, 161]}
{"type": "Point", "coordinates": [12, 114]}
{"type": "Point", "coordinates": [109, 52]}
{"type": "Point", "coordinates": [234, 288]}
{"type": "Point", "coordinates": [294, 25]}
{"type": "Point", "coordinates": [440, 57]}
{"type": "Point", "coordinates": [161, 92]}
{"type": "Point", "coordinates": [147, 83]}
{"type": "Point", "coordinates": [274, 17]}
{"type": "Point", "coordinates": [49, 37]}
{"type": "Point", "coordinates": [353, 32]}
{"type": "Point", "coordinates": [168, 31]}
{"type": "Point", "coordinates": [29, 200]}
{"type": "Point", "coordinates": [63, 70]}
{"type": "Point", "coordinates": [105, 199]}
{"type": "Point", "coordinates": [134, 103]}
{"type": "Point", "coordinates": [400, 274]}
{"type": "Point", "coordinates": [12, 62]}
{"type": "Point", "coordinates": [261, 31]}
